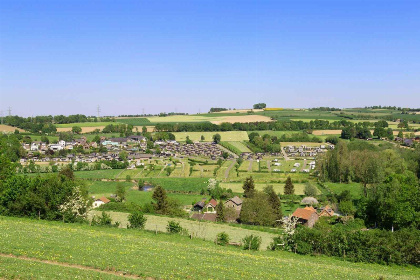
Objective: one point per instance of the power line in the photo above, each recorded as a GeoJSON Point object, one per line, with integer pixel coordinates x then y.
{"type": "Point", "coordinates": [1, 113]}
{"type": "Point", "coordinates": [143, 111]}
{"type": "Point", "coordinates": [98, 109]}
{"type": "Point", "coordinates": [10, 111]}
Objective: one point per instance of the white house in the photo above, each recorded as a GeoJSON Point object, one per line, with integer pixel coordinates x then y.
{"type": "Point", "coordinates": [100, 201]}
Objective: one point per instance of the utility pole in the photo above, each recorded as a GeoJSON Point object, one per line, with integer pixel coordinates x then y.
{"type": "Point", "coordinates": [10, 111]}
{"type": "Point", "coordinates": [98, 109]}
{"type": "Point", "coordinates": [143, 111]}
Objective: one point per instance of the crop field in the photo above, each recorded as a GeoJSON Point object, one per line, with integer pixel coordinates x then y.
{"type": "Point", "coordinates": [84, 124]}
{"type": "Point", "coordinates": [239, 146]}
{"type": "Point", "coordinates": [8, 129]}
{"type": "Point", "coordinates": [143, 197]}
{"type": "Point", "coordinates": [141, 253]}
{"type": "Point", "coordinates": [208, 136]}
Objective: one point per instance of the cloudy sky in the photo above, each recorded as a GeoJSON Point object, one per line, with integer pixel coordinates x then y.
{"type": "Point", "coordinates": [67, 57]}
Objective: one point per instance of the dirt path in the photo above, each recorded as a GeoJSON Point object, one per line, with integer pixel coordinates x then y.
{"type": "Point", "coordinates": [119, 173]}
{"type": "Point", "coordinates": [229, 168]}
{"type": "Point", "coordinates": [304, 165]}
{"type": "Point", "coordinates": [82, 267]}
{"type": "Point", "coordinates": [250, 166]}
{"type": "Point", "coordinates": [162, 170]}
{"type": "Point", "coordinates": [284, 155]}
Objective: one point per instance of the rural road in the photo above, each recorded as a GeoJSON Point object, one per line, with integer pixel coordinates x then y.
{"type": "Point", "coordinates": [229, 168]}
{"type": "Point", "coordinates": [250, 166]}
{"type": "Point", "coordinates": [269, 166]}
{"type": "Point", "coordinates": [284, 155]}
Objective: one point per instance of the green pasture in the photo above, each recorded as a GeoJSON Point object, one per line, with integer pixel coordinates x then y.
{"type": "Point", "coordinates": [141, 253]}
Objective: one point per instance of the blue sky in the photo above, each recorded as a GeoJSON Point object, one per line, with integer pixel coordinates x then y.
{"type": "Point", "coordinates": [67, 57]}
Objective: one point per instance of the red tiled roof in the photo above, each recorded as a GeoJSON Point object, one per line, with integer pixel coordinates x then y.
{"type": "Point", "coordinates": [104, 199]}
{"type": "Point", "coordinates": [310, 209]}
{"type": "Point", "coordinates": [302, 213]}
{"type": "Point", "coordinates": [213, 202]}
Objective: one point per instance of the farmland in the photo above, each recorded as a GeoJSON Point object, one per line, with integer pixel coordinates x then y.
{"type": "Point", "coordinates": [140, 253]}
{"type": "Point", "coordinates": [208, 136]}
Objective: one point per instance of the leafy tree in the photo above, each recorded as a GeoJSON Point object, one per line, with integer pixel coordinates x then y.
{"type": "Point", "coordinates": [257, 210]}
{"type": "Point", "coordinates": [217, 138]}
{"type": "Point", "coordinates": [203, 138]}
{"type": "Point", "coordinates": [76, 129]}
{"type": "Point", "coordinates": [346, 207]}
{"type": "Point", "coordinates": [310, 189]}
{"type": "Point", "coordinates": [220, 213]}
{"type": "Point", "coordinates": [97, 139]}
{"type": "Point", "coordinates": [137, 220]}
{"type": "Point", "coordinates": [251, 242]}
{"type": "Point", "coordinates": [289, 188]}
{"type": "Point", "coordinates": [222, 239]}
{"type": "Point", "coordinates": [259, 106]}
{"type": "Point", "coordinates": [120, 192]}
{"type": "Point", "coordinates": [141, 184]}
{"type": "Point", "coordinates": [249, 187]}
{"type": "Point", "coordinates": [161, 200]}
{"type": "Point", "coordinates": [274, 201]}
{"type": "Point", "coordinates": [45, 139]}
{"type": "Point", "coordinates": [67, 172]}
{"type": "Point", "coordinates": [188, 140]}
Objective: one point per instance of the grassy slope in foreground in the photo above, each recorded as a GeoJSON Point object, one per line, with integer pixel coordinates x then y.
{"type": "Point", "coordinates": [171, 256]}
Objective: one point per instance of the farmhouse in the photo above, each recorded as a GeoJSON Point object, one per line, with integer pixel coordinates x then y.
{"type": "Point", "coordinates": [211, 206]}
{"type": "Point", "coordinates": [235, 203]}
{"type": "Point", "coordinates": [100, 201]}
{"type": "Point", "coordinates": [306, 216]}
{"type": "Point", "coordinates": [326, 211]}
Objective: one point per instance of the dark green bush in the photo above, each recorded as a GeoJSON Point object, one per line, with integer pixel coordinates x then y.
{"type": "Point", "coordinates": [222, 239]}
{"type": "Point", "coordinates": [137, 220]}
{"type": "Point", "coordinates": [251, 242]}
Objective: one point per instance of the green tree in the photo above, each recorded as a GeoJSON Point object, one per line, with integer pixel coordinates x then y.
{"type": "Point", "coordinates": [136, 220]}
{"type": "Point", "coordinates": [203, 138]}
{"type": "Point", "coordinates": [249, 187]}
{"type": "Point", "coordinates": [217, 138]}
{"type": "Point", "coordinates": [274, 201]}
{"type": "Point", "coordinates": [67, 172]}
{"type": "Point", "coordinates": [257, 211]}
{"type": "Point", "coordinates": [76, 129]}
{"type": "Point", "coordinates": [347, 208]}
{"type": "Point", "coordinates": [120, 192]}
{"type": "Point", "coordinates": [220, 213]}
{"type": "Point", "coordinates": [161, 200]}
{"type": "Point", "coordinates": [289, 188]}
{"type": "Point", "coordinates": [310, 189]}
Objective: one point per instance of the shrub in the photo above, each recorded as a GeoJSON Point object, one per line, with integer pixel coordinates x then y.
{"type": "Point", "coordinates": [222, 239]}
{"type": "Point", "coordinates": [137, 220]}
{"type": "Point", "coordinates": [103, 220]}
{"type": "Point", "coordinates": [175, 227]}
{"type": "Point", "coordinates": [251, 242]}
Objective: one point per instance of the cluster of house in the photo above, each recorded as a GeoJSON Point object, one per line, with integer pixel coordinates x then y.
{"type": "Point", "coordinates": [307, 151]}
{"type": "Point", "coordinates": [173, 148]}
{"type": "Point", "coordinates": [308, 216]}
{"type": "Point", "coordinates": [409, 142]}
{"type": "Point", "coordinates": [207, 211]}
{"type": "Point", "coordinates": [42, 147]}
{"type": "Point", "coordinates": [88, 158]}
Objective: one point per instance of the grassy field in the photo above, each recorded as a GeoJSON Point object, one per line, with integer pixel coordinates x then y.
{"type": "Point", "coordinates": [240, 146]}
{"type": "Point", "coordinates": [355, 189]}
{"type": "Point", "coordinates": [141, 253]}
{"type": "Point", "coordinates": [203, 230]}
{"type": "Point", "coordinates": [226, 136]}
{"type": "Point", "coordinates": [24, 268]}
{"type": "Point", "coordinates": [98, 174]}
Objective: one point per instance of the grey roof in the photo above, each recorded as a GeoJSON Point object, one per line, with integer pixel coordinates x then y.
{"type": "Point", "coordinates": [236, 200]}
